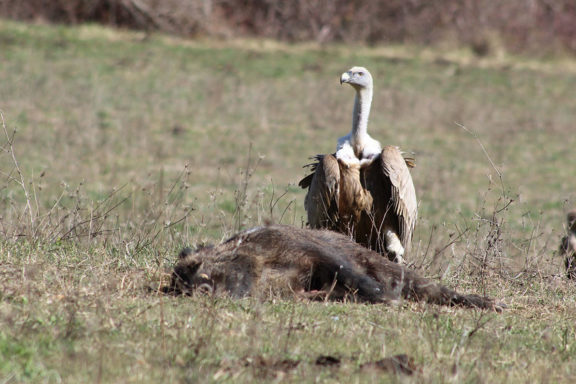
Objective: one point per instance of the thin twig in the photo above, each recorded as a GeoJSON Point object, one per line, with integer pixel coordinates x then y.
{"type": "Point", "coordinates": [10, 142]}
{"type": "Point", "coordinates": [475, 136]}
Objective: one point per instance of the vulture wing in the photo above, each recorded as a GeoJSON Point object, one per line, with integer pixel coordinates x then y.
{"type": "Point", "coordinates": [395, 206]}
{"type": "Point", "coordinates": [323, 195]}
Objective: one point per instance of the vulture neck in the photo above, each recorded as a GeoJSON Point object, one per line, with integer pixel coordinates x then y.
{"type": "Point", "coordinates": [362, 104]}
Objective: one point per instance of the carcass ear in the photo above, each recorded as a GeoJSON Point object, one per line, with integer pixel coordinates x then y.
{"type": "Point", "coordinates": [185, 252]}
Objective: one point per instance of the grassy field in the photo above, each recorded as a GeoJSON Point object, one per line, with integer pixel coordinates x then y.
{"type": "Point", "coordinates": [121, 148]}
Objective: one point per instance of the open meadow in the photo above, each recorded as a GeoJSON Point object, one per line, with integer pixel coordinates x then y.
{"type": "Point", "coordinates": [119, 148]}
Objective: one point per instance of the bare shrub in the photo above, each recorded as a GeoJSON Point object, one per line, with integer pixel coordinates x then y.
{"type": "Point", "coordinates": [73, 215]}
{"type": "Point", "coordinates": [173, 16]}
{"type": "Point", "coordinates": [538, 26]}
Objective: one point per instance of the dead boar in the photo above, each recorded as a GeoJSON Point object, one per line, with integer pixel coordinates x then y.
{"type": "Point", "coordinates": [284, 260]}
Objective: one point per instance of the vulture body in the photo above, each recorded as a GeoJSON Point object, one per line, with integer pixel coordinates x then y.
{"type": "Point", "coordinates": [363, 190]}
{"type": "Point", "coordinates": [568, 246]}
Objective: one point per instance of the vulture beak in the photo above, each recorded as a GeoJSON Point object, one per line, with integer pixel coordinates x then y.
{"type": "Point", "coordinates": [345, 78]}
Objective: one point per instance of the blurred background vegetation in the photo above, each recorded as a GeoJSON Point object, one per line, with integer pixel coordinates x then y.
{"type": "Point", "coordinates": [535, 27]}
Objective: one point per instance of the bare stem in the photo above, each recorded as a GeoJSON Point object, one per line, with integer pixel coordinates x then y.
{"type": "Point", "coordinates": [475, 136]}
{"type": "Point", "coordinates": [21, 182]}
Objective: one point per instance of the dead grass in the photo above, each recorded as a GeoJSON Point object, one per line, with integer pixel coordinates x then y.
{"type": "Point", "coordinates": [128, 150]}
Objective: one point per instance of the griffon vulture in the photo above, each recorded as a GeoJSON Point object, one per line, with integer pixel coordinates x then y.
{"type": "Point", "coordinates": [363, 190]}
{"type": "Point", "coordinates": [568, 246]}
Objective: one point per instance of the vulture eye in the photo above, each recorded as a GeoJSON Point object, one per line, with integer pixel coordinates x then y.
{"type": "Point", "coordinates": [360, 73]}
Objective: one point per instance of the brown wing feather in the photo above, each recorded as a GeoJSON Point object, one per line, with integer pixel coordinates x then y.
{"type": "Point", "coordinates": [395, 206]}
{"type": "Point", "coordinates": [403, 192]}
{"type": "Point", "coordinates": [306, 181]}
{"type": "Point", "coordinates": [321, 201]}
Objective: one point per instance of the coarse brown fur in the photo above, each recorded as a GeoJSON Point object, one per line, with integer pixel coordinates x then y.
{"type": "Point", "coordinates": [568, 246]}
{"type": "Point", "coordinates": [284, 260]}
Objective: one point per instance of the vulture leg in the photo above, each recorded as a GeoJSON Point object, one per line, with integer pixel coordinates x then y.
{"type": "Point", "coordinates": [322, 199]}
{"type": "Point", "coordinates": [394, 246]}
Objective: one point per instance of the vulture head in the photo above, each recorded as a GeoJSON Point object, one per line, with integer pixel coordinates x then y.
{"type": "Point", "coordinates": [358, 77]}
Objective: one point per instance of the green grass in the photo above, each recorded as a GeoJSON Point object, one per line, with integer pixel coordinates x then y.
{"type": "Point", "coordinates": [131, 148]}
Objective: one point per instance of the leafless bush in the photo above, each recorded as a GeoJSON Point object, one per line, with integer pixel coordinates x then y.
{"type": "Point", "coordinates": [173, 16]}
{"type": "Point", "coordinates": [537, 26]}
